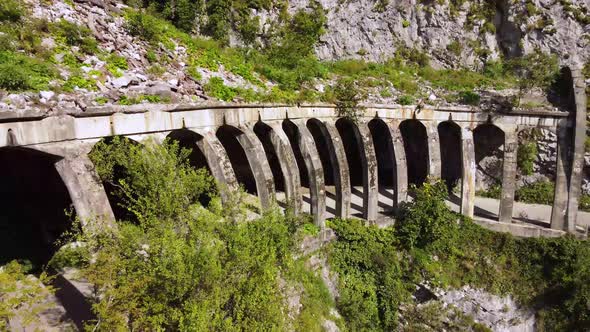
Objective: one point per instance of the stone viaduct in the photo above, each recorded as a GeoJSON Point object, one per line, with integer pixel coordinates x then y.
{"type": "Point", "coordinates": [303, 156]}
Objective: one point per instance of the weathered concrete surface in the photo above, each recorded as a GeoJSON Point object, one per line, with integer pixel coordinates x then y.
{"type": "Point", "coordinates": [468, 172]}
{"type": "Point", "coordinates": [508, 174]}
{"type": "Point", "coordinates": [340, 168]}
{"type": "Point", "coordinates": [86, 191]}
{"type": "Point", "coordinates": [370, 172]}
{"type": "Point", "coordinates": [259, 165]}
{"type": "Point", "coordinates": [401, 174]}
{"type": "Point", "coordinates": [561, 180]}
{"type": "Point", "coordinates": [286, 157]}
{"type": "Point", "coordinates": [578, 149]}
{"type": "Point", "coordinates": [315, 172]}
{"type": "Point", "coordinates": [218, 162]}
{"type": "Point", "coordinates": [434, 162]}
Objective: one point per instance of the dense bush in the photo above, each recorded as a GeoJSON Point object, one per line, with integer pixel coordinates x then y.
{"type": "Point", "coordinates": [347, 97]}
{"type": "Point", "coordinates": [379, 268]}
{"type": "Point", "coordinates": [21, 72]}
{"type": "Point", "coordinates": [540, 192]}
{"type": "Point", "coordinates": [526, 156]}
{"type": "Point", "coordinates": [11, 10]}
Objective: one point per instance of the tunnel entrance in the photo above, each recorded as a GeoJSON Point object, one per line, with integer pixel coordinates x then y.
{"type": "Point", "coordinates": [346, 129]}
{"type": "Point", "coordinates": [228, 136]}
{"type": "Point", "coordinates": [449, 134]}
{"type": "Point", "coordinates": [188, 140]}
{"type": "Point", "coordinates": [315, 126]}
{"type": "Point", "coordinates": [33, 205]}
{"type": "Point", "coordinates": [263, 131]}
{"type": "Point", "coordinates": [416, 148]}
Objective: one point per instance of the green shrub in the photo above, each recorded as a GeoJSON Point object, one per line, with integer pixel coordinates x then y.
{"type": "Point", "coordinates": [19, 72]}
{"type": "Point", "coordinates": [526, 156]}
{"type": "Point", "coordinates": [470, 97]}
{"type": "Point", "coordinates": [540, 192]}
{"type": "Point", "coordinates": [584, 203]}
{"type": "Point", "coordinates": [347, 97]}
{"type": "Point", "coordinates": [143, 26]}
{"type": "Point", "coordinates": [11, 11]}
{"type": "Point", "coordinates": [455, 47]}
{"type": "Point", "coordinates": [494, 191]}
{"type": "Point", "coordinates": [217, 89]}
{"type": "Point", "coordinates": [13, 78]}
{"type": "Point", "coordinates": [75, 35]}
{"type": "Point", "coordinates": [405, 100]}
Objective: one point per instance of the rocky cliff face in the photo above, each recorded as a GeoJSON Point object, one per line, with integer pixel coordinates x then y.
{"type": "Point", "coordinates": [454, 35]}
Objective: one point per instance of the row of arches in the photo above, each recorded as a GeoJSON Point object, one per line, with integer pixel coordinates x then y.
{"type": "Point", "coordinates": [340, 166]}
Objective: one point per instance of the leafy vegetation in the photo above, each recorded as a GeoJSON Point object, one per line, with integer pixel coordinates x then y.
{"type": "Point", "coordinates": [527, 154]}
{"type": "Point", "coordinates": [379, 268]}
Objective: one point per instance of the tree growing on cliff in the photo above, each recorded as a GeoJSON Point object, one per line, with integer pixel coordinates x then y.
{"type": "Point", "coordinates": [534, 70]}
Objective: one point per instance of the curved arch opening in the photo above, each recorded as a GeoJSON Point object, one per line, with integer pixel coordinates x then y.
{"type": "Point", "coordinates": [111, 187]}
{"type": "Point", "coordinates": [324, 145]}
{"type": "Point", "coordinates": [449, 134]}
{"type": "Point", "coordinates": [346, 129]}
{"type": "Point", "coordinates": [386, 164]}
{"type": "Point", "coordinates": [263, 132]}
{"type": "Point", "coordinates": [228, 136]}
{"type": "Point", "coordinates": [488, 142]}
{"type": "Point", "coordinates": [416, 148]}
{"type": "Point", "coordinates": [188, 139]}
{"type": "Point", "coordinates": [34, 203]}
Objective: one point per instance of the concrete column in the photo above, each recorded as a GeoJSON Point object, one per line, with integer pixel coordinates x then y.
{"type": "Point", "coordinates": [508, 174]}
{"type": "Point", "coordinates": [401, 168]}
{"type": "Point", "coordinates": [288, 163]}
{"type": "Point", "coordinates": [315, 172]}
{"type": "Point", "coordinates": [370, 171]}
{"type": "Point", "coordinates": [86, 191]}
{"type": "Point", "coordinates": [434, 163]}
{"type": "Point", "coordinates": [579, 87]}
{"type": "Point", "coordinates": [468, 179]}
{"type": "Point", "coordinates": [260, 168]}
{"type": "Point", "coordinates": [559, 211]}
{"type": "Point", "coordinates": [218, 162]}
{"type": "Point", "coordinates": [339, 167]}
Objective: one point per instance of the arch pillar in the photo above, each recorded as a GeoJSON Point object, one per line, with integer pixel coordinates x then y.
{"type": "Point", "coordinates": [434, 163]}
{"type": "Point", "coordinates": [218, 162]}
{"type": "Point", "coordinates": [288, 163]}
{"type": "Point", "coordinates": [559, 210]}
{"type": "Point", "coordinates": [401, 167]}
{"type": "Point", "coordinates": [259, 164]}
{"type": "Point", "coordinates": [86, 191]}
{"type": "Point", "coordinates": [509, 173]}
{"type": "Point", "coordinates": [315, 172]}
{"type": "Point", "coordinates": [339, 167]}
{"type": "Point", "coordinates": [468, 174]}
{"type": "Point", "coordinates": [370, 171]}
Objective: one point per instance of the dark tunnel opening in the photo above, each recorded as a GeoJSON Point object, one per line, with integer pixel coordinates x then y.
{"type": "Point", "coordinates": [449, 134]}
{"type": "Point", "coordinates": [292, 133]}
{"type": "Point", "coordinates": [228, 136]}
{"type": "Point", "coordinates": [347, 129]}
{"type": "Point", "coordinates": [263, 131]}
{"type": "Point", "coordinates": [416, 148]}
{"type": "Point", "coordinates": [321, 141]}
{"type": "Point", "coordinates": [188, 140]}
{"type": "Point", "coordinates": [384, 150]}
{"type": "Point", "coordinates": [34, 203]}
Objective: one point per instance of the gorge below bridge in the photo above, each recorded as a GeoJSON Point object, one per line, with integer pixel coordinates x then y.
{"type": "Point", "coordinates": [304, 156]}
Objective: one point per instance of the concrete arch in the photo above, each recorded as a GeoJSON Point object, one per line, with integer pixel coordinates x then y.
{"type": "Point", "coordinates": [310, 166]}
{"type": "Point", "coordinates": [449, 134]}
{"type": "Point", "coordinates": [385, 151]}
{"type": "Point", "coordinates": [33, 203]}
{"type": "Point", "coordinates": [282, 161]}
{"type": "Point", "coordinates": [416, 147]}
{"type": "Point", "coordinates": [434, 150]}
{"type": "Point", "coordinates": [249, 161]}
{"type": "Point", "coordinates": [362, 162]}
{"type": "Point", "coordinates": [334, 163]}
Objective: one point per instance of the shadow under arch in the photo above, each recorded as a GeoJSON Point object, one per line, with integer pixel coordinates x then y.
{"type": "Point", "coordinates": [449, 134]}
{"type": "Point", "coordinates": [33, 205]}
{"type": "Point", "coordinates": [415, 139]}
{"type": "Point", "coordinates": [386, 160]}
{"type": "Point", "coordinates": [228, 136]}
{"type": "Point", "coordinates": [293, 134]}
{"type": "Point", "coordinates": [263, 132]}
